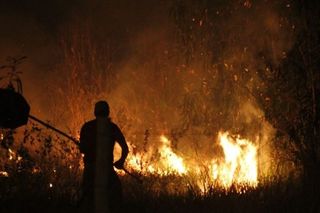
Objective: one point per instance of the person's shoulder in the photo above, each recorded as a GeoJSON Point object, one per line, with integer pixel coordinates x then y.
{"type": "Point", "coordinates": [89, 124]}
{"type": "Point", "coordinates": [114, 126]}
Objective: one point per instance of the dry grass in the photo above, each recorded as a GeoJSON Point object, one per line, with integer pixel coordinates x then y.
{"type": "Point", "coordinates": [27, 189]}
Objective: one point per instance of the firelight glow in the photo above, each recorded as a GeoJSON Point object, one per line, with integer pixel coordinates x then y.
{"type": "Point", "coordinates": [172, 161]}
{"type": "Point", "coordinates": [237, 167]}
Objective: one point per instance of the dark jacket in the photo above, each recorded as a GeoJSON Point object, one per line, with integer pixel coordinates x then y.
{"type": "Point", "coordinates": [88, 138]}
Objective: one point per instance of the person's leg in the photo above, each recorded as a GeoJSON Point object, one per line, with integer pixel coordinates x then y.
{"type": "Point", "coordinates": [86, 204]}
{"type": "Point", "coordinates": [115, 195]}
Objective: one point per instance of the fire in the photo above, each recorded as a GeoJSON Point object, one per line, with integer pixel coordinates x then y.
{"type": "Point", "coordinates": [168, 163]}
{"type": "Point", "coordinates": [12, 154]}
{"type": "Point", "coordinates": [171, 160]}
{"type": "Point", "coordinates": [4, 174]}
{"type": "Point", "coordinates": [237, 167]}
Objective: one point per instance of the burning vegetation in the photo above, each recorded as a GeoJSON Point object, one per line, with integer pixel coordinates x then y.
{"type": "Point", "coordinates": [213, 98]}
{"type": "Point", "coordinates": [190, 109]}
{"type": "Point", "coordinates": [237, 166]}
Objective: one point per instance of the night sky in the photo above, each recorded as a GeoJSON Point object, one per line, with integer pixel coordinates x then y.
{"type": "Point", "coordinates": [36, 28]}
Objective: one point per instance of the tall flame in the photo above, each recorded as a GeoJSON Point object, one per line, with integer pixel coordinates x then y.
{"type": "Point", "coordinates": [171, 160]}
{"type": "Point", "coordinates": [238, 165]}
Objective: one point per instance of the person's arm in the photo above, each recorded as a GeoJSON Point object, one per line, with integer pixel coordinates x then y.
{"type": "Point", "coordinates": [124, 148]}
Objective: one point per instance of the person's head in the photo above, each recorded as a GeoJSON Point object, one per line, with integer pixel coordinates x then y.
{"type": "Point", "coordinates": [101, 109]}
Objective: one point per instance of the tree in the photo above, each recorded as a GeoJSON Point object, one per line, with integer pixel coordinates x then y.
{"type": "Point", "coordinates": [291, 96]}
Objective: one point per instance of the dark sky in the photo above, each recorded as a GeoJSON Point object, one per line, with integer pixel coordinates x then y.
{"type": "Point", "coordinates": [30, 26]}
{"type": "Point", "coordinates": [35, 28]}
{"type": "Point", "coordinates": [47, 14]}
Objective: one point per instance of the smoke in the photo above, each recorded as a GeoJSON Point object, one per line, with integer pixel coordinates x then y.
{"type": "Point", "coordinates": [187, 69]}
{"type": "Point", "coordinates": [30, 28]}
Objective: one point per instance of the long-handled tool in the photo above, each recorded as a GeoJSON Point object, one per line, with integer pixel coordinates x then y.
{"type": "Point", "coordinates": [76, 142]}
{"type": "Point", "coordinates": [132, 175]}
{"type": "Point", "coordinates": [14, 112]}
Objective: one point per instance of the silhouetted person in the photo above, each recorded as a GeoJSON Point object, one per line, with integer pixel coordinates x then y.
{"type": "Point", "coordinates": [102, 191]}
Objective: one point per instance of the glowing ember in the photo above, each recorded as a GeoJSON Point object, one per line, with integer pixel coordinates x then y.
{"type": "Point", "coordinates": [35, 170]}
{"type": "Point", "coordinates": [11, 154]}
{"type": "Point", "coordinates": [14, 156]}
{"type": "Point", "coordinates": [4, 174]}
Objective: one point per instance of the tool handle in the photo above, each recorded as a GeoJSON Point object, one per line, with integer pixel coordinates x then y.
{"type": "Point", "coordinates": [132, 175]}
{"type": "Point", "coordinates": [76, 142]}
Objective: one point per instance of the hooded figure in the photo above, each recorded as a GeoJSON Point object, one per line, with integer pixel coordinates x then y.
{"type": "Point", "coordinates": [102, 190]}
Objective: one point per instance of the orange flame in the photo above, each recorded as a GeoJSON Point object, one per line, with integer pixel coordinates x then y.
{"type": "Point", "coordinates": [172, 161]}
{"type": "Point", "coordinates": [237, 167]}
{"type": "Point", "coordinates": [4, 174]}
